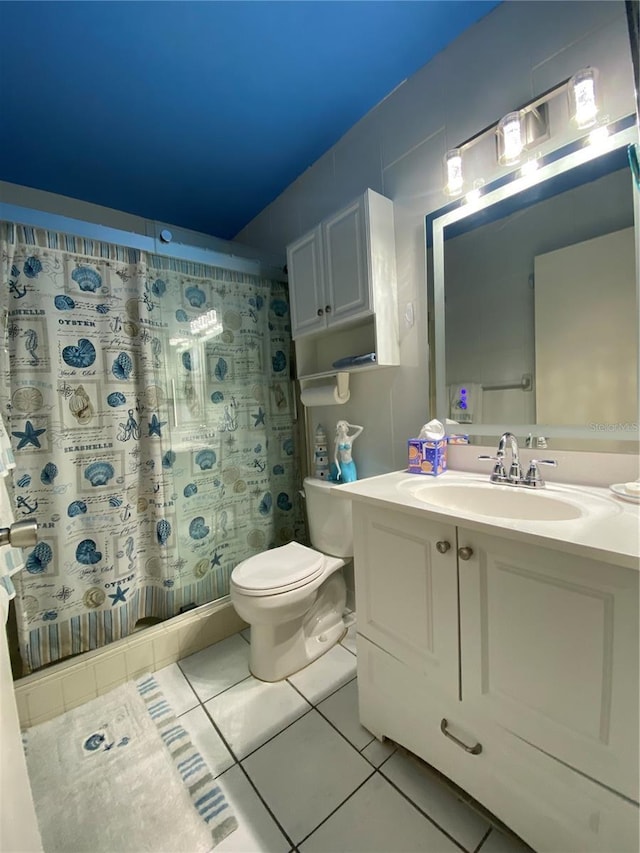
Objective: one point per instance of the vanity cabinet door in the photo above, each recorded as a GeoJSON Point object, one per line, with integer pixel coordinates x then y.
{"type": "Point", "coordinates": [305, 269]}
{"type": "Point", "coordinates": [549, 650]}
{"type": "Point", "coordinates": [406, 591]}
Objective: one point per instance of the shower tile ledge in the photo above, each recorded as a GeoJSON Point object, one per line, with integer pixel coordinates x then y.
{"type": "Point", "coordinates": [40, 696]}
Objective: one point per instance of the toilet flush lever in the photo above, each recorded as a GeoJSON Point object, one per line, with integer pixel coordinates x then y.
{"type": "Point", "coordinates": [21, 534]}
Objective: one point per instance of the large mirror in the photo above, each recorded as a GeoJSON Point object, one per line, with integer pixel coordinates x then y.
{"type": "Point", "coordinates": [534, 304]}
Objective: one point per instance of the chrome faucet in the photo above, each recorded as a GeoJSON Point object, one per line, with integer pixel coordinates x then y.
{"type": "Point", "coordinates": [532, 480]}
{"type": "Point", "coordinates": [515, 471]}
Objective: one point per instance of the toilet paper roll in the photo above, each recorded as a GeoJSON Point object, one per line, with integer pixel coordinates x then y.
{"type": "Point", "coordinates": [323, 395]}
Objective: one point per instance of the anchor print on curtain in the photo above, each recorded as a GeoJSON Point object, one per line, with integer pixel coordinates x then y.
{"type": "Point", "coordinates": [150, 410]}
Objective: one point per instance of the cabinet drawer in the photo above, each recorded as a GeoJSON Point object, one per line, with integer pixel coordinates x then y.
{"type": "Point", "coordinates": [401, 704]}
{"type": "Point", "coordinates": [547, 804]}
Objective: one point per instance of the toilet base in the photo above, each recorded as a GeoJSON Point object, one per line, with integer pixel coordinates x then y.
{"type": "Point", "coordinates": [278, 651]}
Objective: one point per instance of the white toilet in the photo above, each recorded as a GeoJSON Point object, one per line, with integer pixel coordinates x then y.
{"type": "Point", "coordinates": [293, 596]}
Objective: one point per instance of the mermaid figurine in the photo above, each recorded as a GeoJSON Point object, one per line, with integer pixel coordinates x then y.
{"type": "Point", "coordinates": [343, 468]}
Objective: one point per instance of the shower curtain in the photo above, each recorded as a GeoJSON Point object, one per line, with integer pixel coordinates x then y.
{"type": "Point", "coordinates": [150, 407]}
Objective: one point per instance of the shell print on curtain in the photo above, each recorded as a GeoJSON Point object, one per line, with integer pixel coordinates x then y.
{"type": "Point", "coordinates": [128, 499]}
{"type": "Point", "coordinates": [236, 470]}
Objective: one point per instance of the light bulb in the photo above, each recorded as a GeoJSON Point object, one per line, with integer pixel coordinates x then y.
{"type": "Point", "coordinates": [454, 179]}
{"type": "Point", "coordinates": [583, 103]}
{"type": "Point", "coordinates": [510, 138]}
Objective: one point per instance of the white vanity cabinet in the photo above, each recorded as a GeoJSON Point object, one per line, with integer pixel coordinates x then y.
{"type": "Point", "coordinates": [549, 650]}
{"type": "Point", "coordinates": [407, 592]}
{"type": "Point", "coordinates": [511, 668]}
{"type": "Point", "coordinates": [343, 274]}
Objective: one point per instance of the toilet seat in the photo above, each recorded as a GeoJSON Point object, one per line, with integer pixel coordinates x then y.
{"type": "Point", "coordinates": [278, 570]}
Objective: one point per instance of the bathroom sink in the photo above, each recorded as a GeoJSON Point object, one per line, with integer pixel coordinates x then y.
{"type": "Point", "coordinates": [512, 502]}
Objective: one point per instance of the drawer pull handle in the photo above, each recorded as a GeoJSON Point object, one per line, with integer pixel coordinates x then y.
{"type": "Point", "coordinates": [327, 309]}
{"type": "Point", "coordinates": [443, 546]}
{"type": "Point", "coordinates": [465, 553]}
{"type": "Point", "coordinates": [320, 312]}
{"type": "Point", "coordinates": [474, 750]}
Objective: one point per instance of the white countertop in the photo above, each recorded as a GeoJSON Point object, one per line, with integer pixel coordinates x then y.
{"type": "Point", "coordinates": [608, 527]}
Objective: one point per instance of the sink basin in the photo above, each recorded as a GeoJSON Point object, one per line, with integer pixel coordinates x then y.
{"type": "Point", "coordinates": [512, 502]}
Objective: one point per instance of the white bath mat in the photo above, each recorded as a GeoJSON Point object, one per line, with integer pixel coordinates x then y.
{"type": "Point", "coordinates": [121, 774]}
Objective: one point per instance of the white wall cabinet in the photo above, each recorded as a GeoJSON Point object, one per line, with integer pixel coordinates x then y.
{"type": "Point", "coordinates": [342, 277]}
{"type": "Point", "coordinates": [511, 668]}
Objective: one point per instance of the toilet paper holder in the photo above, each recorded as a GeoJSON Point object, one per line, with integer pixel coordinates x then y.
{"type": "Point", "coordinates": [21, 534]}
{"type": "Point", "coordinates": [327, 392]}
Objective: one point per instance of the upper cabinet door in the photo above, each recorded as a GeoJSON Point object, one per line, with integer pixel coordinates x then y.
{"type": "Point", "coordinates": [304, 262]}
{"type": "Point", "coordinates": [346, 273]}
{"type": "Point", "coordinates": [549, 647]}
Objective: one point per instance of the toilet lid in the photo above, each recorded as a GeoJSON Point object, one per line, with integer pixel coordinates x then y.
{"type": "Point", "coordinates": [278, 570]}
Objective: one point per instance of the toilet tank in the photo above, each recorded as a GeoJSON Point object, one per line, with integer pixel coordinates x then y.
{"type": "Point", "coordinates": [329, 518]}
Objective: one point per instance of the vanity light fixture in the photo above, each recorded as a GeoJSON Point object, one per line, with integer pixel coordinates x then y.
{"type": "Point", "coordinates": [528, 126]}
{"type": "Point", "coordinates": [583, 105]}
{"type": "Point", "coordinates": [454, 178]}
{"type": "Point", "coordinates": [510, 138]}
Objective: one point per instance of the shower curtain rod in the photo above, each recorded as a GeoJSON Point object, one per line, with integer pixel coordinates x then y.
{"type": "Point", "coordinates": [131, 240]}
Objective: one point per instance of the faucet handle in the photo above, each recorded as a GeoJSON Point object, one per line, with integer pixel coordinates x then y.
{"type": "Point", "coordinates": [533, 477]}
{"type": "Point", "coordinates": [498, 475]}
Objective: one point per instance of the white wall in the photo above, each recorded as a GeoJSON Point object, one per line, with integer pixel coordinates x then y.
{"type": "Point", "coordinates": [518, 51]}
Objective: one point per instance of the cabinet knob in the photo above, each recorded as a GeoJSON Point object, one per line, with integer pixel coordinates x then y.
{"type": "Point", "coordinates": [443, 546]}
{"type": "Point", "coordinates": [465, 553]}
{"type": "Point", "coordinates": [327, 309]}
{"type": "Point", "coordinates": [320, 312]}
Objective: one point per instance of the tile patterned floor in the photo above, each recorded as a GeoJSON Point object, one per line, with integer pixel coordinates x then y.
{"type": "Point", "coordinates": [300, 771]}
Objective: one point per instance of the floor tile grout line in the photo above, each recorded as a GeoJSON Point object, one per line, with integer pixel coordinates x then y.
{"type": "Point", "coordinates": [382, 763]}
{"type": "Point", "coordinates": [338, 807]}
{"type": "Point", "coordinates": [215, 695]}
{"type": "Point", "coordinates": [197, 698]}
{"type": "Point", "coordinates": [423, 813]}
{"type": "Point", "coordinates": [484, 838]}
{"type": "Point", "coordinates": [272, 737]}
{"type": "Point", "coordinates": [249, 779]}
{"type": "Point", "coordinates": [267, 807]}
{"type": "Point", "coordinates": [375, 769]}
{"type": "Point", "coordinates": [315, 707]}
{"type": "Point", "coordinates": [347, 649]}
{"type": "Point", "coordinates": [342, 735]}
{"type": "Point", "coordinates": [320, 701]}
{"type": "Point", "coordinates": [222, 738]}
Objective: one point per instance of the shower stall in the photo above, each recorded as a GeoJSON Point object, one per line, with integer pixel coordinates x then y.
{"type": "Point", "coordinates": [148, 395]}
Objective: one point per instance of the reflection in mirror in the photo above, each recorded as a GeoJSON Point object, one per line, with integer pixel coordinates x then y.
{"type": "Point", "coordinates": [536, 321]}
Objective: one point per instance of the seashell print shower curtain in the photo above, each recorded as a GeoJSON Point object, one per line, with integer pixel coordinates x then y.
{"type": "Point", "coordinates": [151, 415]}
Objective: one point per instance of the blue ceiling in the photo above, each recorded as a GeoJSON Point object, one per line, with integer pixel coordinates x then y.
{"type": "Point", "coordinates": [199, 113]}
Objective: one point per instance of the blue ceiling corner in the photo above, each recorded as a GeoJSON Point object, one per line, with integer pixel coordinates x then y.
{"type": "Point", "coordinates": [199, 113]}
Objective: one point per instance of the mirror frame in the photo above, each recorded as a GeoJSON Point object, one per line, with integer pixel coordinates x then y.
{"type": "Point", "coordinates": [622, 133]}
